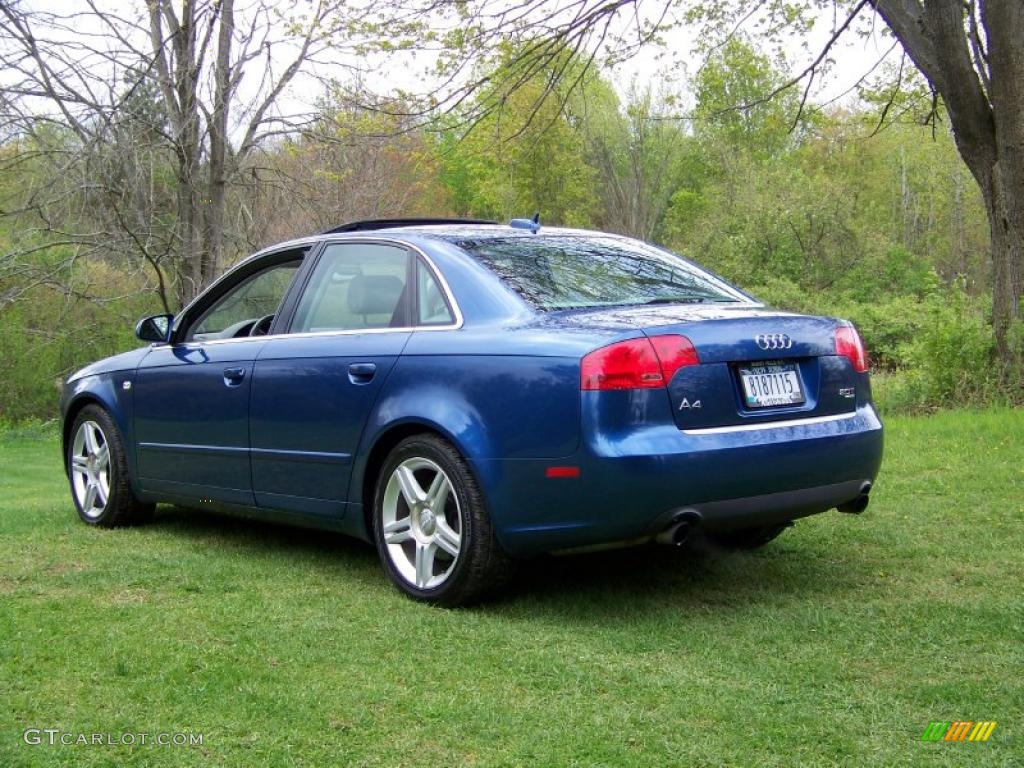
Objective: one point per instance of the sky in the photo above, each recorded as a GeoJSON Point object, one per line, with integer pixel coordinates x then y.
{"type": "Point", "coordinates": [854, 56]}
{"type": "Point", "coordinates": [666, 68]}
{"type": "Point", "coordinates": [672, 66]}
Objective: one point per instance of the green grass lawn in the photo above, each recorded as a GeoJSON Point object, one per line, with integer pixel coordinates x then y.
{"type": "Point", "coordinates": [836, 644]}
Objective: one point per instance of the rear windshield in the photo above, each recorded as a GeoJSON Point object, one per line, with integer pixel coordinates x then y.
{"type": "Point", "coordinates": [575, 272]}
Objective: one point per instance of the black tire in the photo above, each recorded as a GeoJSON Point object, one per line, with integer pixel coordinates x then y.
{"type": "Point", "coordinates": [748, 538]}
{"type": "Point", "coordinates": [121, 507]}
{"type": "Point", "coordinates": [480, 565]}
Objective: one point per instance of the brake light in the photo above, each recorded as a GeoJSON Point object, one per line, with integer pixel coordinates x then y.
{"type": "Point", "coordinates": [849, 345]}
{"type": "Point", "coordinates": [674, 352]}
{"type": "Point", "coordinates": [645, 363]}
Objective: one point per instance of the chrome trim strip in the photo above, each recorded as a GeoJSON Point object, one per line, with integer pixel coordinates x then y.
{"type": "Point", "coordinates": [770, 424]}
{"type": "Point", "coordinates": [313, 335]}
{"type": "Point", "coordinates": [257, 453]}
{"type": "Point", "coordinates": [280, 454]}
{"type": "Point", "coordinates": [456, 310]}
{"type": "Point", "coordinates": [213, 450]}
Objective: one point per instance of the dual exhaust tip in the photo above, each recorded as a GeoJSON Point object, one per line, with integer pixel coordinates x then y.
{"type": "Point", "coordinates": [683, 527]}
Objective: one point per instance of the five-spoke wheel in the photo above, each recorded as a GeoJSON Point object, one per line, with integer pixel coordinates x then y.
{"type": "Point", "coordinates": [432, 528]}
{"type": "Point", "coordinates": [98, 471]}
{"type": "Point", "coordinates": [90, 469]}
{"type": "Point", "coordinates": [422, 523]}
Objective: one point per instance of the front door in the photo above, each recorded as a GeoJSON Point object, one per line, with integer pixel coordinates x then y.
{"type": "Point", "coordinates": [192, 396]}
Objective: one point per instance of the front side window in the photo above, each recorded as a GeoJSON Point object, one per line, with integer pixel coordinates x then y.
{"type": "Point", "coordinates": [248, 308]}
{"type": "Point", "coordinates": [573, 271]}
{"type": "Point", "coordinates": [356, 286]}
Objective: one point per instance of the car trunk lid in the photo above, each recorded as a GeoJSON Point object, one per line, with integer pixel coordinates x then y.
{"type": "Point", "coordinates": [756, 364]}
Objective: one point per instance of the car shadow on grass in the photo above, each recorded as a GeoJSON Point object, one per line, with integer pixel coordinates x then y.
{"type": "Point", "coordinates": [257, 536]}
{"type": "Point", "coordinates": [645, 578]}
{"type": "Point", "coordinates": [696, 576]}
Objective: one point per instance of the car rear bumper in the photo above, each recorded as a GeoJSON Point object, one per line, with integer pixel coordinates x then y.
{"type": "Point", "coordinates": [637, 484]}
{"type": "Point", "coordinates": [766, 509]}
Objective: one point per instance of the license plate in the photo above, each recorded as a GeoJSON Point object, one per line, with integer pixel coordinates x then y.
{"type": "Point", "coordinates": [770, 384]}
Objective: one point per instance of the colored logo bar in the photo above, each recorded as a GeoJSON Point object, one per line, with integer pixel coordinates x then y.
{"type": "Point", "coordinates": [958, 730]}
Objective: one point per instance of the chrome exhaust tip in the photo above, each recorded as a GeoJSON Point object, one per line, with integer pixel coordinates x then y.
{"type": "Point", "coordinates": [675, 535]}
{"type": "Point", "coordinates": [858, 503]}
{"type": "Point", "coordinates": [680, 531]}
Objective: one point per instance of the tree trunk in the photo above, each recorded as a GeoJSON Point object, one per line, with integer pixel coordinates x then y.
{"type": "Point", "coordinates": [1004, 201]}
{"type": "Point", "coordinates": [981, 82]}
{"type": "Point", "coordinates": [1002, 191]}
{"type": "Point", "coordinates": [959, 233]}
{"type": "Point", "coordinates": [190, 274]}
{"type": "Point", "coordinates": [175, 62]}
{"type": "Point", "coordinates": [1006, 226]}
{"type": "Point", "coordinates": [190, 200]}
{"type": "Point", "coordinates": [216, 202]}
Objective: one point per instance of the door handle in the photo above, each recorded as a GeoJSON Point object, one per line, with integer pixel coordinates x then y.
{"type": "Point", "coordinates": [233, 376]}
{"type": "Point", "coordinates": [362, 373]}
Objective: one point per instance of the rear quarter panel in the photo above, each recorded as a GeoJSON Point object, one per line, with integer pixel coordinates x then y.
{"type": "Point", "coordinates": [489, 406]}
{"type": "Point", "coordinates": [494, 392]}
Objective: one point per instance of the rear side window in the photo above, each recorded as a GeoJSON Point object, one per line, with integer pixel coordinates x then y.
{"type": "Point", "coordinates": [356, 286]}
{"type": "Point", "coordinates": [575, 271]}
{"type": "Point", "coordinates": [431, 304]}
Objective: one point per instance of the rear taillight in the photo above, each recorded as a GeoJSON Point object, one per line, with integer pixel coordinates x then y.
{"type": "Point", "coordinates": [644, 363]}
{"type": "Point", "coordinates": [849, 345]}
{"type": "Point", "coordinates": [674, 352]}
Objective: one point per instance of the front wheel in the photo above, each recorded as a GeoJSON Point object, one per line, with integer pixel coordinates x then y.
{"type": "Point", "coordinates": [432, 529]}
{"type": "Point", "coordinates": [98, 472]}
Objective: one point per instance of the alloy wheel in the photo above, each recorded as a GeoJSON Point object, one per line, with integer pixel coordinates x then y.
{"type": "Point", "coordinates": [422, 523]}
{"type": "Point", "coordinates": [90, 469]}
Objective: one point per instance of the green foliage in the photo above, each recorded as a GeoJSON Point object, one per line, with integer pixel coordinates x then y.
{"type": "Point", "coordinates": [897, 272]}
{"type": "Point", "coordinates": [49, 333]}
{"type": "Point", "coordinates": [642, 158]}
{"type": "Point", "coordinates": [950, 363]}
{"type": "Point", "coordinates": [885, 229]}
{"type": "Point", "coordinates": [737, 100]}
{"type": "Point", "coordinates": [524, 154]}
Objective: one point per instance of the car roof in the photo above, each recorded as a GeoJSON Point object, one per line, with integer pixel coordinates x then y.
{"type": "Point", "coordinates": [447, 230]}
{"type": "Point", "coordinates": [454, 232]}
{"type": "Point", "coordinates": [426, 229]}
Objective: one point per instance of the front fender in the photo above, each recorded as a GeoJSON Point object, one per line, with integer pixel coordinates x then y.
{"type": "Point", "coordinates": [109, 391]}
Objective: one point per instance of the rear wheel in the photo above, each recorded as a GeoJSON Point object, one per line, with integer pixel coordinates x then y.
{"type": "Point", "coordinates": [748, 538]}
{"type": "Point", "coordinates": [433, 533]}
{"type": "Point", "coordinates": [98, 472]}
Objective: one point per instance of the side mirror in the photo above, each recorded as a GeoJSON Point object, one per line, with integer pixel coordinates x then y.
{"type": "Point", "coordinates": [154, 328]}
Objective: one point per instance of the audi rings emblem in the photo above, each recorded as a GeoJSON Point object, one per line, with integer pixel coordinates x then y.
{"type": "Point", "coordinates": [773, 341]}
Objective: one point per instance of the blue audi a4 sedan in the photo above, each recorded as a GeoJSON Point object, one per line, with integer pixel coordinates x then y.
{"type": "Point", "coordinates": [465, 394]}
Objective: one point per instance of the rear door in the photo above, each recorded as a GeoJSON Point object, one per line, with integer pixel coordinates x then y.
{"type": "Point", "coordinates": [314, 387]}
